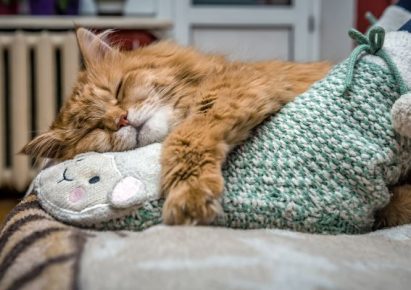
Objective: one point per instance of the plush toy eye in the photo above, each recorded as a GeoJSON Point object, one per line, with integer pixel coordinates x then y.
{"type": "Point", "coordinates": [94, 179]}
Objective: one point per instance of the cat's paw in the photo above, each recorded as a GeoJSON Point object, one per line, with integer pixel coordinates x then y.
{"type": "Point", "coordinates": [192, 181]}
{"type": "Point", "coordinates": [193, 205]}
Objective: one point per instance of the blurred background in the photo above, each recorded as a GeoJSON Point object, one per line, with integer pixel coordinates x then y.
{"type": "Point", "coordinates": [39, 58]}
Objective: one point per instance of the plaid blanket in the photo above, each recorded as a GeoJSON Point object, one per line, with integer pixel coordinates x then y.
{"type": "Point", "coordinates": [38, 252]}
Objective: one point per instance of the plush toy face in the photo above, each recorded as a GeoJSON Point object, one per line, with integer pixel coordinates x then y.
{"type": "Point", "coordinates": [82, 182]}
{"type": "Point", "coordinates": [89, 186]}
{"type": "Point", "coordinates": [95, 187]}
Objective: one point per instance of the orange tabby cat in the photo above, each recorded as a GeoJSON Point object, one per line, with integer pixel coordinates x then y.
{"type": "Point", "coordinates": [199, 105]}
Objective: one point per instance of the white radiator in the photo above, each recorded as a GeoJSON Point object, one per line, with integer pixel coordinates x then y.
{"type": "Point", "coordinates": [36, 64]}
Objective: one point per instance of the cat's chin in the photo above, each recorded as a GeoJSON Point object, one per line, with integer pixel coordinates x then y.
{"type": "Point", "coordinates": [128, 138]}
{"type": "Point", "coordinates": [153, 129]}
{"type": "Point", "coordinates": [151, 132]}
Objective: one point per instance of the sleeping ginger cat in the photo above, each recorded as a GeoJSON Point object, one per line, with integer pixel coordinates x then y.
{"type": "Point", "coordinates": [200, 105]}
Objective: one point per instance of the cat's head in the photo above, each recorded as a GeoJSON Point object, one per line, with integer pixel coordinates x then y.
{"type": "Point", "coordinates": [122, 100]}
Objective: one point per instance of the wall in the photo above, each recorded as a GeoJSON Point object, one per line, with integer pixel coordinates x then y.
{"type": "Point", "coordinates": [338, 16]}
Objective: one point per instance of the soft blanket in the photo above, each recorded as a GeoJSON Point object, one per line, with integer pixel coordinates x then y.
{"type": "Point", "coordinates": [38, 252]}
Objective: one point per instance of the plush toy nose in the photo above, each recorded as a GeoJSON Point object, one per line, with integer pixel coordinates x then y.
{"type": "Point", "coordinates": [123, 121]}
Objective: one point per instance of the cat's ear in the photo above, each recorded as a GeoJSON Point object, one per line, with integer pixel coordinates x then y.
{"type": "Point", "coordinates": [93, 47]}
{"type": "Point", "coordinates": [48, 145]}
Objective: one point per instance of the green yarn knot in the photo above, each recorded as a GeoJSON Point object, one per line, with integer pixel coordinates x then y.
{"type": "Point", "coordinates": [371, 43]}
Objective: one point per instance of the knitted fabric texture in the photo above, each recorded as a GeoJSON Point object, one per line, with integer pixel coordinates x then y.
{"type": "Point", "coordinates": [321, 165]}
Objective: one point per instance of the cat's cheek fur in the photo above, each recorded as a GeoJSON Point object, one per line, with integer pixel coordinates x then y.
{"type": "Point", "coordinates": [97, 140]}
{"type": "Point", "coordinates": [103, 141]}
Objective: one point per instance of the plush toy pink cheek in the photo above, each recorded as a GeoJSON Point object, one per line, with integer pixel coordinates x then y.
{"type": "Point", "coordinates": [76, 195]}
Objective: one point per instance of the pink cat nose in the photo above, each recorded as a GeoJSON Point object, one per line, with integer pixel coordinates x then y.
{"type": "Point", "coordinates": [123, 121]}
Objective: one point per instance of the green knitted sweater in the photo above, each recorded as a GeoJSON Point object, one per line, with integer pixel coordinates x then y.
{"type": "Point", "coordinates": [320, 165]}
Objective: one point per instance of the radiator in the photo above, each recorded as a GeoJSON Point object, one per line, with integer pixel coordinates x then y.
{"type": "Point", "coordinates": [36, 71]}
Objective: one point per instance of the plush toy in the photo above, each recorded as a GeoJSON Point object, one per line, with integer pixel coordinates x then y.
{"type": "Point", "coordinates": [323, 164]}
{"type": "Point", "coordinates": [94, 187]}
{"type": "Point", "coordinates": [401, 115]}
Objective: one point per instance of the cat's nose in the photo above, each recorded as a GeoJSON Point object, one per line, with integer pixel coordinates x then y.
{"type": "Point", "coordinates": [123, 121]}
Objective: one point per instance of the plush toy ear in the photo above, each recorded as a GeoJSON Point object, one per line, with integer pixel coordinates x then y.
{"type": "Point", "coordinates": [93, 47]}
{"type": "Point", "coordinates": [128, 192]}
{"type": "Point", "coordinates": [401, 115]}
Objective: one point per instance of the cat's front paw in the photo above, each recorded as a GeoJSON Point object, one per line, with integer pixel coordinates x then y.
{"type": "Point", "coordinates": [192, 205]}
{"type": "Point", "coordinates": [192, 181]}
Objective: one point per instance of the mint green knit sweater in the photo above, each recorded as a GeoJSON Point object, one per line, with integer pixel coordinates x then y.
{"type": "Point", "coordinates": [320, 165]}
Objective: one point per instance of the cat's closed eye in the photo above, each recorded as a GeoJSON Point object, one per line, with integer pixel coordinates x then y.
{"type": "Point", "coordinates": [119, 90]}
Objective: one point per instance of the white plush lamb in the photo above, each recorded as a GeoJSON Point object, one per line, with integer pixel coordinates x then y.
{"type": "Point", "coordinates": [401, 115]}
{"type": "Point", "coordinates": [94, 187]}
